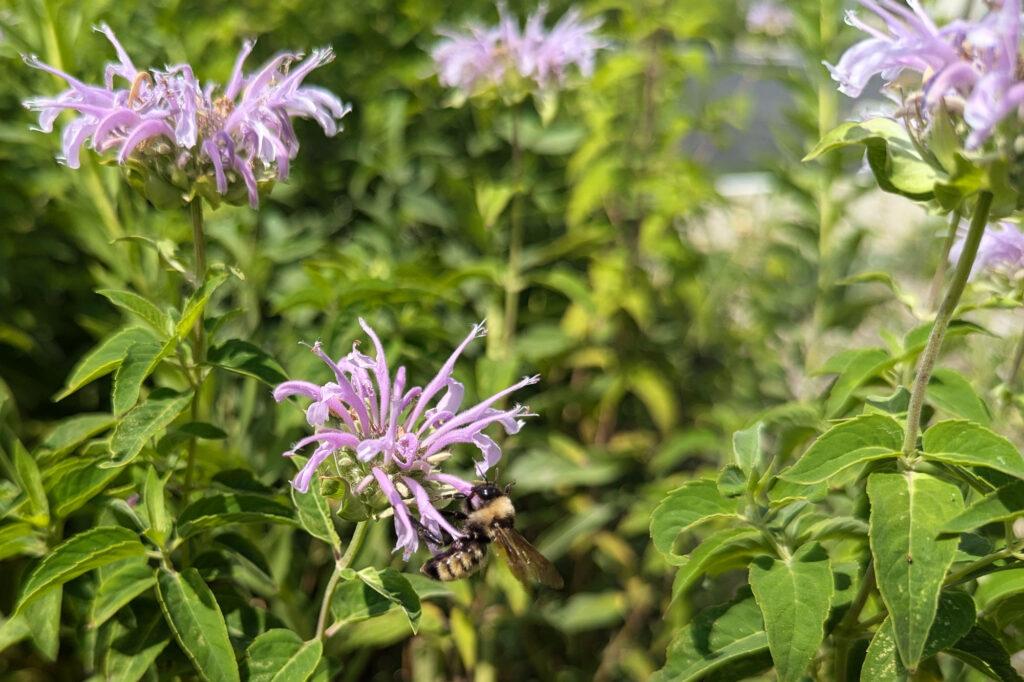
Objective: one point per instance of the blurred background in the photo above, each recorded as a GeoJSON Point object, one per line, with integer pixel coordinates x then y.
{"type": "Point", "coordinates": [680, 267]}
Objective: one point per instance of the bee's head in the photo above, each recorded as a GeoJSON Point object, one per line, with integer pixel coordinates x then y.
{"type": "Point", "coordinates": [483, 493]}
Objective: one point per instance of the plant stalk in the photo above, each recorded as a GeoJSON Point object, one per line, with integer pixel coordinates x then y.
{"type": "Point", "coordinates": [199, 341]}
{"type": "Point", "coordinates": [941, 324]}
{"type": "Point", "coordinates": [515, 246]}
{"type": "Point", "coordinates": [940, 272]}
{"type": "Point", "coordinates": [1018, 359]}
{"type": "Point", "coordinates": [340, 564]}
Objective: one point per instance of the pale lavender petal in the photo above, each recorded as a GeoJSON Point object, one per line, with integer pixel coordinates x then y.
{"type": "Point", "coordinates": [290, 388]}
{"type": "Point", "coordinates": [406, 537]}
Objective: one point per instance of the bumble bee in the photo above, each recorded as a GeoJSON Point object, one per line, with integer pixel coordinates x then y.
{"type": "Point", "coordinates": [490, 518]}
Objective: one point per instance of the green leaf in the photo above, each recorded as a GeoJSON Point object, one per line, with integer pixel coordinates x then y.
{"type": "Point", "coordinates": [156, 509]}
{"type": "Point", "coordinates": [197, 623]}
{"type": "Point", "coordinates": [280, 655]}
{"type": "Point", "coordinates": [1001, 505]}
{"type": "Point", "coordinates": [144, 422]}
{"type": "Point", "coordinates": [746, 448]}
{"type": "Point", "coordinates": [104, 358]}
{"type": "Point", "coordinates": [855, 368]}
{"type": "Point", "coordinates": [119, 586]}
{"type": "Point", "coordinates": [31, 482]}
{"type": "Point", "coordinates": [242, 357]}
{"type": "Point", "coordinates": [954, 619]}
{"type": "Point", "coordinates": [139, 362]}
{"type": "Point", "coordinates": [491, 200]}
{"type": "Point", "coordinates": [70, 432]}
{"type": "Point", "coordinates": [732, 542]}
{"type": "Point", "coordinates": [133, 651]}
{"type": "Point", "coordinates": [895, 162]}
{"type": "Point", "coordinates": [587, 611]}
{"type": "Point", "coordinates": [228, 509]}
{"type": "Point", "coordinates": [12, 631]}
{"type": "Point", "coordinates": [732, 482]}
{"type": "Point", "coordinates": [196, 304]}
{"type": "Point", "coordinates": [951, 392]}
{"type": "Point", "coordinates": [964, 443]}
{"type": "Point", "coordinates": [43, 621]}
{"type": "Point", "coordinates": [78, 483]}
{"type": "Point", "coordinates": [21, 539]}
{"type": "Point", "coordinates": [907, 512]}
{"type": "Point", "coordinates": [394, 587]}
{"type": "Point", "coordinates": [794, 596]}
{"type": "Point", "coordinates": [77, 555]}
{"type": "Point", "coordinates": [982, 650]}
{"type": "Point", "coordinates": [141, 308]}
{"type": "Point", "coordinates": [717, 638]}
{"type": "Point", "coordinates": [863, 439]}
{"type": "Point", "coordinates": [685, 507]}
{"type": "Point", "coordinates": [315, 515]}
{"type": "Point", "coordinates": [371, 593]}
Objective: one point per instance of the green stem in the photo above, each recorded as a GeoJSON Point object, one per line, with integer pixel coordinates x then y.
{"type": "Point", "coordinates": [340, 564]}
{"type": "Point", "coordinates": [515, 246]}
{"type": "Point", "coordinates": [942, 320]}
{"type": "Point", "coordinates": [827, 105]}
{"type": "Point", "coordinates": [940, 272]}
{"type": "Point", "coordinates": [199, 342]}
{"type": "Point", "coordinates": [965, 573]}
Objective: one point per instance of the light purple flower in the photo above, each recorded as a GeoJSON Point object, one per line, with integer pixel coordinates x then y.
{"type": "Point", "coordinates": [973, 62]}
{"type": "Point", "coordinates": [394, 435]}
{"type": "Point", "coordinates": [482, 56]}
{"type": "Point", "coordinates": [241, 132]}
{"type": "Point", "coordinates": [770, 18]}
{"type": "Point", "coordinates": [1001, 248]}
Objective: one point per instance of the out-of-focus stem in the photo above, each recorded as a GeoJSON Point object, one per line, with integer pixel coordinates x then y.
{"type": "Point", "coordinates": [1018, 359]}
{"type": "Point", "coordinates": [515, 245]}
{"type": "Point", "coordinates": [942, 320]}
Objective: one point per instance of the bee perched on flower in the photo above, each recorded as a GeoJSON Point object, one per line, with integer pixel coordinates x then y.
{"type": "Point", "coordinates": [387, 439]}
{"type": "Point", "coordinates": [514, 61]}
{"type": "Point", "coordinates": [177, 138]}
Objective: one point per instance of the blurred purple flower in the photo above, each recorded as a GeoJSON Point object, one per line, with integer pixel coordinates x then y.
{"type": "Point", "coordinates": [483, 56]}
{"type": "Point", "coordinates": [396, 435]}
{"type": "Point", "coordinates": [242, 131]}
{"type": "Point", "coordinates": [1001, 248]}
{"type": "Point", "coordinates": [770, 18]}
{"type": "Point", "coordinates": [972, 61]}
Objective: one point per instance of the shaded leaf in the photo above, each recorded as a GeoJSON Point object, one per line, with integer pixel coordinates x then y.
{"type": "Point", "coordinates": [685, 507]}
{"type": "Point", "coordinates": [118, 587]}
{"type": "Point", "coordinates": [247, 359]}
{"type": "Point", "coordinates": [197, 623]}
{"type": "Point", "coordinates": [863, 439]}
{"type": "Point", "coordinates": [1001, 505]}
{"type": "Point", "coordinates": [228, 509]}
{"type": "Point", "coordinates": [280, 655]}
{"type": "Point", "coordinates": [144, 422]}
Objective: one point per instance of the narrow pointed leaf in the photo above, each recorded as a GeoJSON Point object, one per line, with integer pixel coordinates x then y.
{"type": "Point", "coordinates": [196, 304]}
{"type": "Point", "coordinates": [132, 653]}
{"type": "Point", "coordinates": [104, 358]}
{"type": "Point", "coordinates": [746, 448]}
{"type": "Point", "coordinates": [142, 308]}
{"type": "Point", "coordinates": [77, 555]}
{"type": "Point", "coordinates": [314, 515]}
{"type": "Point", "coordinates": [144, 422]}
{"type": "Point", "coordinates": [31, 482]}
{"type": "Point", "coordinates": [724, 543]}
{"type": "Point", "coordinates": [156, 507]}
{"type": "Point", "coordinates": [794, 596]}
{"type": "Point", "coordinates": [1001, 505]}
{"type": "Point", "coordinates": [197, 623]}
{"type": "Point", "coordinates": [908, 510]}
{"type": "Point", "coordinates": [982, 650]}
{"type": "Point", "coordinates": [965, 443]}
{"type": "Point", "coordinates": [863, 439]}
{"type": "Point", "coordinates": [953, 393]}
{"type": "Point", "coordinates": [131, 373]}
{"type": "Point", "coordinates": [242, 357]}
{"type": "Point", "coordinates": [228, 509]}
{"type": "Point", "coordinates": [75, 430]}
{"type": "Point", "coordinates": [77, 484]}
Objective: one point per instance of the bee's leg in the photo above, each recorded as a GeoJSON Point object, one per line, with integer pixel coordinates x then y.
{"type": "Point", "coordinates": [429, 535]}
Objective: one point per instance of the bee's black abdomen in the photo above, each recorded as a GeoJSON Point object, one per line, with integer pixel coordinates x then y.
{"type": "Point", "coordinates": [463, 558]}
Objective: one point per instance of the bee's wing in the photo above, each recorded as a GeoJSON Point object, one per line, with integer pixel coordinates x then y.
{"type": "Point", "coordinates": [526, 563]}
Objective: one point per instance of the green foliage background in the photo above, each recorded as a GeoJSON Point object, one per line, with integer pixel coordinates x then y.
{"type": "Point", "coordinates": [654, 340]}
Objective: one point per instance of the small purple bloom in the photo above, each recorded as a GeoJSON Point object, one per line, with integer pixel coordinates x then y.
{"type": "Point", "coordinates": [1001, 248]}
{"type": "Point", "coordinates": [770, 18]}
{"type": "Point", "coordinates": [395, 435]}
{"type": "Point", "coordinates": [241, 133]}
{"type": "Point", "coordinates": [481, 56]}
{"type": "Point", "coordinates": [972, 63]}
